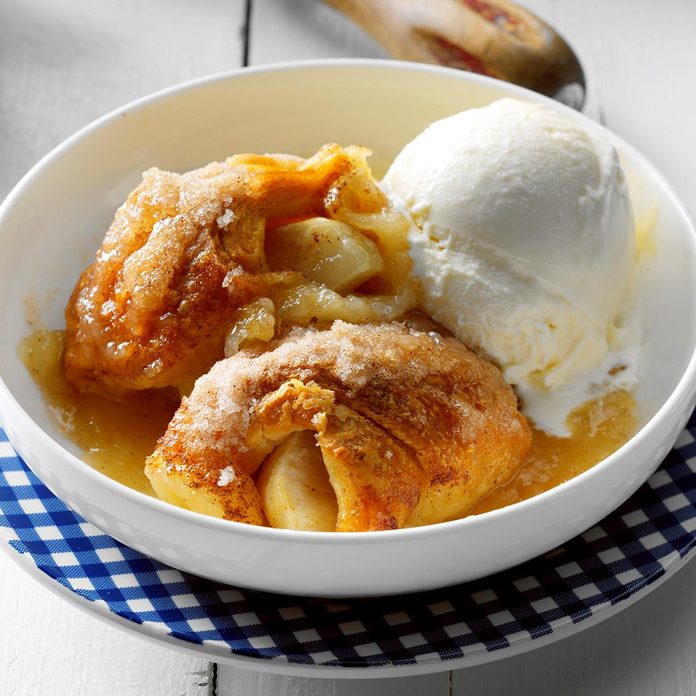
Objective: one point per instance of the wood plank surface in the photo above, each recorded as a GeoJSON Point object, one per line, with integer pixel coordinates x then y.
{"type": "Point", "coordinates": [63, 64]}
{"type": "Point", "coordinates": [646, 650]}
{"type": "Point", "coordinates": [240, 682]}
{"type": "Point", "coordinates": [639, 56]}
{"type": "Point", "coordinates": [304, 30]}
{"type": "Point", "coordinates": [50, 648]}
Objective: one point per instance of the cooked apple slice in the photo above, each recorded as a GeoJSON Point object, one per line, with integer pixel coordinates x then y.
{"type": "Point", "coordinates": [327, 251]}
{"type": "Point", "coordinates": [294, 486]}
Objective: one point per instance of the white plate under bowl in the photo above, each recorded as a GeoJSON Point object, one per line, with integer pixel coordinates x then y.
{"type": "Point", "coordinates": [53, 221]}
{"type": "Point", "coordinates": [574, 586]}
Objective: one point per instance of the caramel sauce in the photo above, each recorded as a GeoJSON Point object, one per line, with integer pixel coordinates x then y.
{"type": "Point", "coordinates": [117, 435]}
{"type": "Point", "coordinates": [597, 428]}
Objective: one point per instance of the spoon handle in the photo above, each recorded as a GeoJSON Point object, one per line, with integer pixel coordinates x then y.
{"type": "Point", "coordinates": [496, 38]}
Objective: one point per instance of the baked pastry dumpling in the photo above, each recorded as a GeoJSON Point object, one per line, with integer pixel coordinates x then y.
{"type": "Point", "coordinates": [229, 253]}
{"type": "Point", "coordinates": [352, 428]}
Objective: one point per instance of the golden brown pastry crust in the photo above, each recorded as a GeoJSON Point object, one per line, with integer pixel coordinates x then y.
{"type": "Point", "coordinates": [414, 428]}
{"type": "Point", "coordinates": [187, 250]}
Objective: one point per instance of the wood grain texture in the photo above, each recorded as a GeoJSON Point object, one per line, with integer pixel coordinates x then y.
{"type": "Point", "coordinates": [646, 650]}
{"type": "Point", "coordinates": [64, 64]}
{"type": "Point", "coordinates": [639, 56]}
{"type": "Point", "coordinates": [239, 682]}
{"type": "Point", "coordinates": [50, 648]}
{"type": "Point", "coordinates": [303, 30]}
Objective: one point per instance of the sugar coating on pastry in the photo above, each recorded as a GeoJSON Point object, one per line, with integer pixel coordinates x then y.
{"type": "Point", "coordinates": [188, 256]}
{"type": "Point", "coordinates": [413, 427]}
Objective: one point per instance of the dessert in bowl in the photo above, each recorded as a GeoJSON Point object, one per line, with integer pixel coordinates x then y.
{"type": "Point", "coordinates": [79, 187]}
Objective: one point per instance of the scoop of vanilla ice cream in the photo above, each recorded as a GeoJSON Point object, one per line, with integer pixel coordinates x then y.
{"type": "Point", "coordinates": [524, 245]}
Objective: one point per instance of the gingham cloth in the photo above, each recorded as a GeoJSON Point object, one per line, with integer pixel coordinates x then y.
{"type": "Point", "coordinates": [617, 558]}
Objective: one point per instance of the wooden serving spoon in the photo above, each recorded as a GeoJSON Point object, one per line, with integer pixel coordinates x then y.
{"type": "Point", "coordinates": [496, 38]}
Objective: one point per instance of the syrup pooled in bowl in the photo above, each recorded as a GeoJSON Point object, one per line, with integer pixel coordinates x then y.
{"type": "Point", "coordinates": [116, 435]}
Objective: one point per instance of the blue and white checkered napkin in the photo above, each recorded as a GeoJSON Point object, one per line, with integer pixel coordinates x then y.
{"type": "Point", "coordinates": [619, 557]}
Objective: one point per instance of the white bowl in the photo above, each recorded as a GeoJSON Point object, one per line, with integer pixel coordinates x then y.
{"type": "Point", "coordinates": [53, 221]}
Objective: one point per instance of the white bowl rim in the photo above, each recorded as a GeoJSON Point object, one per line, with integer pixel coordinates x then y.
{"type": "Point", "coordinates": [683, 389]}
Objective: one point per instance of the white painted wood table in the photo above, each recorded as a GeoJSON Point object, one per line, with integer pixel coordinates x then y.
{"type": "Point", "coordinates": [65, 63]}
